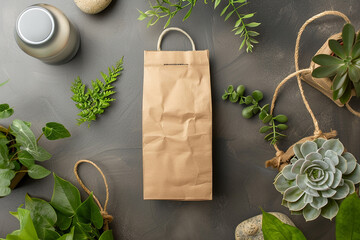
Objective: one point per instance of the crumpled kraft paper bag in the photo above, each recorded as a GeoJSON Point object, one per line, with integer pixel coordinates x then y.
{"type": "Point", "coordinates": [177, 126]}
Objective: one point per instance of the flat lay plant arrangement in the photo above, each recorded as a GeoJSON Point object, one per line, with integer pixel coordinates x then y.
{"type": "Point", "coordinates": [65, 217]}
{"type": "Point", "coordinates": [92, 102]}
{"type": "Point", "coordinates": [318, 178]}
{"type": "Point", "coordinates": [343, 67]}
{"type": "Point", "coordinates": [19, 147]}
{"type": "Point", "coordinates": [169, 8]}
{"type": "Point", "coordinates": [347, 223]}
{"type": "Point", "coordinates": [274, 124]}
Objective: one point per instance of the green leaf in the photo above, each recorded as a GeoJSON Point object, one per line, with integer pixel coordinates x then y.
{"type": "Point", "coordinates": [7, 174]}
{"type": "Point", "coordinates": [348, 36]}
{"type": "Point", "coordinates": [5, 111]}
{"type": "Point", "coordinates": [225, 96]}
{"type": "Point", "coordinates": [68, 236]}
{"type": "Point", "coordinates": [40, 154]}
{"type": "Point", "coordinates": [26, 158]}
{"type": "Point", "coordinates": [267, 118]}
{"type": "Point", "coordinates": [354, 73]}
{"type": "Point", "coordinates": [248, 100]}
{"type": "Point", "coordinates": [274, 229]}
{"type": "Point", "coordinates": [257, 95]}
{"type": "Point", "coordinates": [338, 93]}
{"type": "Point", "coordinates": [63, 222]}
{"type": "Point", "coordinates": [4, 191]}
{"type": "Point", "coordinates": [248, 15]}
{"type": "Point", "coordinates": [357, 88]}
{"type": "Point", "coordinates": [248, 112]}
{"type": "Point", "coordinates": [264, 129]}
{"type": "Point", "coordinates": [217, 2]}
{"type": "Point", "coordinates": [229, 15]}
{"type": "Point", "coordinates": [54, 131]}
{"type": "Point", "coordinates": [326, 71]}
{"type": "Point", "coordinates": [107, 235]}
{"type": "Point", "coordinates": [336, 47]}
{"type": "Point", "coordinates": [42, 214]}
{"type": "Point", "coordinates": [188, 13]}
{"type": "Point", "coordinates": [355, 53]}
{"type": "Point", "coordinates": [339, 81]}
{"type": "Point", "coordinates": [240, 90]}
{"type": "Point", "coordinates": [3, 83]}
{"type": "Point", "coordinates": [253, 24]}
{"type": "Point", "coordinates": [224, 10]}
{"type": "Point", "coordinates": [347, 220]}
{"type": "Point", "coordinates": [38, 172]}
{"type": "Point", "coordinates": [27, 230]}
{"type": "Point", "coordinates": [50, 235]}
{"type": "Point", "coordinates": [347, 95]}
{"type": "Point", "coordinates": [142, 15]}
{"type": "Point", "coordinates": [282, 126]}
{"type": "Point", "coordinates": [230, 88]}
{"type": "Point", "coordinates": [327, 60]}
{"type": "Point", "coordinates": [89, 212]}
{"type": "Point", "coordinates": [281, 118]}
{"type": "Point", "coordinates": [66, 197]}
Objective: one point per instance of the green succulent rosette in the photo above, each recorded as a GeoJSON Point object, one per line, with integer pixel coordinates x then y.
{"type": "Point", "coordinates": [318, 178]}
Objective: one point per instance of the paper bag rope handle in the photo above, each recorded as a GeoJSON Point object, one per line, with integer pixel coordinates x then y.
{"type": "Point", "coordinates": [107, 218]}
{"type": "Point", "coordinates": [296, 55]}
{"type": "Point", "coordinates": [317, 132]}
{"type": "Point", "coordinates": [174, 29]}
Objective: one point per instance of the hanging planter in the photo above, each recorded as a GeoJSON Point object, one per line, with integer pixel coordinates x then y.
{"type": "Point", "coordinates": [316, 173]}
{"type": "Point", "coordinates": [19, 150]}
{"type": "Point", "coordinates": [65, 216]}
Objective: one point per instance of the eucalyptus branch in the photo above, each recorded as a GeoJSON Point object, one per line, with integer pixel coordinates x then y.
{"type": "Point", "coordinates": [274, 124]}
{"type": "Point", "coordinates": [166, 8]}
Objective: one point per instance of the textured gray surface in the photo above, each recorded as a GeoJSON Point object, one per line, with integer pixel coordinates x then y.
{"type": "Point", "coordinates": [40, 93]}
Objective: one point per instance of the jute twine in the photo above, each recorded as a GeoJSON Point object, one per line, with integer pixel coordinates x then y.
{"type": "Point", "coordinates": [107, 218]}
{"type": "Point", "coordinates": [283, 158]}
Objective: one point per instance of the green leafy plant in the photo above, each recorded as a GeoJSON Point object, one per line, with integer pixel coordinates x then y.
{"type": "Point", "coordinates": [347, 223]}
{"type": "Point", "coordinates": [318, 178]}
{"type": "Point", "coordinates": [274, 123]}
{"type": "Point", "coordinates": [344, 66]}
{"type": "Point", "coordinates": [168, 9]}
{"type": "Point", "coordinates": [65, 217]}
{"type": "Point", "coordinates": [19, 149]}
{"type": "Point", "coordinates": [93, 101]}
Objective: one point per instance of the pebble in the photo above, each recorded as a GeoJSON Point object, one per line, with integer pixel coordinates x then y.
{"type": "Point", "coordinates": [250, 229]}
{"type": "Point", "coordinates": [92, 6]}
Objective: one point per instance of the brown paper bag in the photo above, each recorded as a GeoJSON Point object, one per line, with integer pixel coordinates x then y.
{"type": "Point", "coordinates": [177, 124]}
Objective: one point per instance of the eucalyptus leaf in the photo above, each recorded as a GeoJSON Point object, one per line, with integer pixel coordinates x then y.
{"type": "Point", "coordinates": [54, 131]}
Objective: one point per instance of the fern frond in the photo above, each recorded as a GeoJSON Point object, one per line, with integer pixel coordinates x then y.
{"type": "Point", "coordinates": [93, 101]}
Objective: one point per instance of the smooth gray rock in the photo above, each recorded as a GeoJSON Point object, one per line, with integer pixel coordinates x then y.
{"type": "Point", "coordinates": [250, 229]}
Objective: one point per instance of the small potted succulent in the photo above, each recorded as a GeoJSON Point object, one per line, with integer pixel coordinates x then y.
{"type": "Point", "coordinates": [318, 178]}
{"type": "Point", "coordinates": [19, 150]}
{"type": "Point", "coordinates": [337, 65]}
{"type": "Point", "coordinates": [65, 217]}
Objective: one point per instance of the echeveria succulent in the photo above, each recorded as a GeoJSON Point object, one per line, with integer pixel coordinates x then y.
{"type": "Point", "coordinates": [318, 178]}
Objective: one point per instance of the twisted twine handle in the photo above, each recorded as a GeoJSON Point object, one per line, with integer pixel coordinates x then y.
{"type": "Point", "coordinates": [107, 218]}
{"type": "Point", "coordinates": [296, 56]}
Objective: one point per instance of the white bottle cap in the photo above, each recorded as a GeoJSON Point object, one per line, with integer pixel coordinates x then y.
{"type": "Point", "coordinates": [35, 25]}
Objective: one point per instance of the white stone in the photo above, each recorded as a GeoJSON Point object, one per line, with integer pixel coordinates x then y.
{"type": "Point", "coordinates": [250, 229]}
{"type": "Point", "coordinates": [92, 6]}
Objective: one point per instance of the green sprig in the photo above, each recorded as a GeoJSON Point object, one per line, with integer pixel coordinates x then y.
{"type": "Point", "coordinates": [93, 101]}
{"type": "Point", "coordinates": [274, 124]}
{"type": "Point", "coordinates": [168, 9]}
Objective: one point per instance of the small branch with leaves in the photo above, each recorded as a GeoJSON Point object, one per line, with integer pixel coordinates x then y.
{"type": "Point", "coordinates": [275, 124]}
{"type": "Point", "coordinates": [168, 9]}
{"type": "Point", "coordinates": [93, 101]}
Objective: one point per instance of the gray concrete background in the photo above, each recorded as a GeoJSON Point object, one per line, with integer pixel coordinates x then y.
{"type": "Point", "coordinates": [40, 93]}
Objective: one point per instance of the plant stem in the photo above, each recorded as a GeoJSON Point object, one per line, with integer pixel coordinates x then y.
{"type": "Point", "coordinates": [12, 158]}
{"type": "Point", "coordinates": [39, 137]}
{"type": "Point", "coordinates": [22, 171]}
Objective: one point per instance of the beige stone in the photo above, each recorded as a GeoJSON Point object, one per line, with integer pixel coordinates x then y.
{"type": "Point", "coordinates": [92, 6]}
{"type": "Point", "coordinates": [250, 229]}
